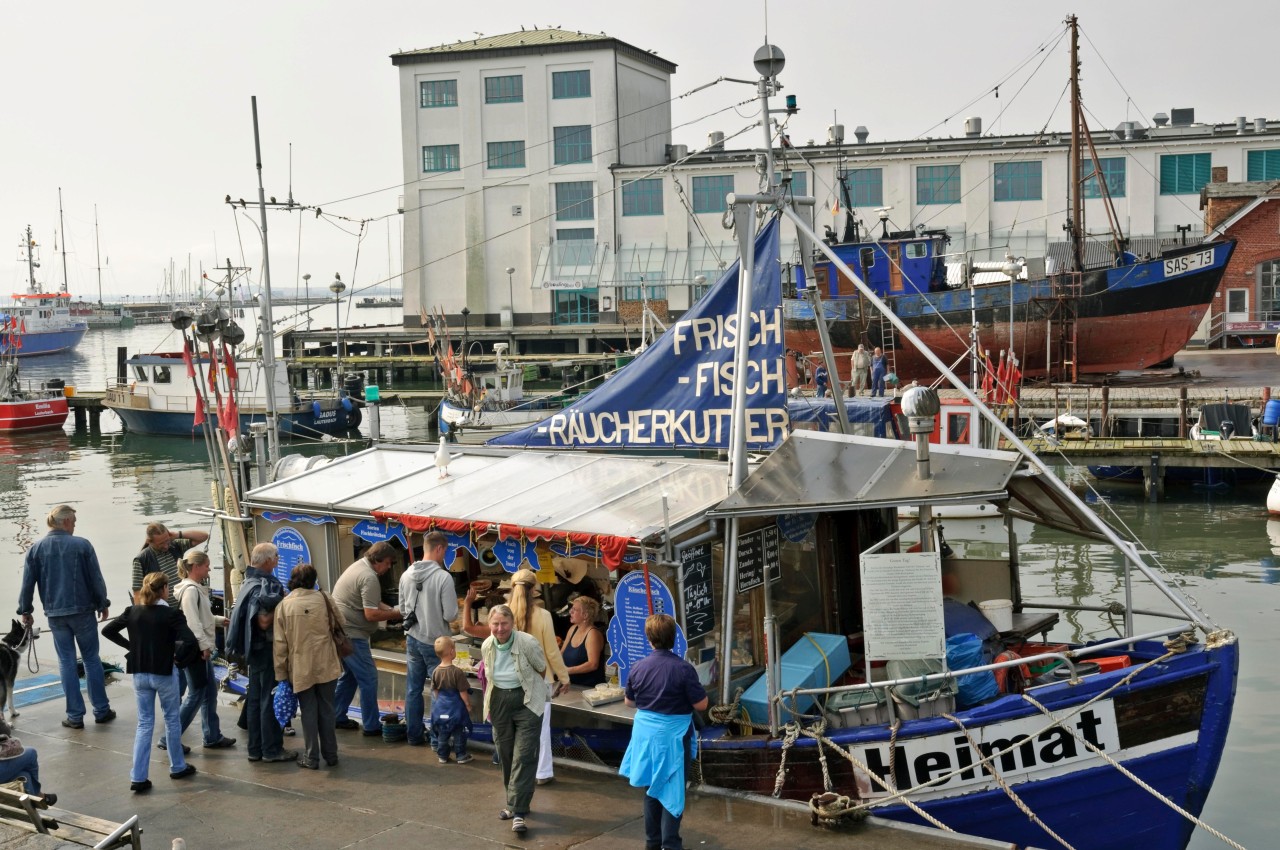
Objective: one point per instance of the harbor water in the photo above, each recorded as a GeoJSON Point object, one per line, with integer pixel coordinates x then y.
{"type": "Point", "coordinates": [1220, 548]}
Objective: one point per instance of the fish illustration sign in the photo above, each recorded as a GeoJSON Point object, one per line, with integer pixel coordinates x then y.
{"type": "Point", "coordinates": [627, 643]}
{"type": "Point", "coordinates": [679, 392]}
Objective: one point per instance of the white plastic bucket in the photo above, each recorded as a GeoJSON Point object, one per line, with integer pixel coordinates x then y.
{"type": "Point", "coordinates": [999, 612]}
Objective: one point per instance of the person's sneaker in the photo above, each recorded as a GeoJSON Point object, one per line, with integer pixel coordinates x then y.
{"type": "Point", "coordinates": [309, 765]}
{"type": "Point", "coordinates": [163, 745]}
{"type": "Point", "coordinates": [465, 759]}
{"type": "Point", "coordinates": [495, 759]}
{"type": "Point", "coordinates": [442, 759]}
{"type": "Point", "coordinates": [50, 799]}
{"type": "Point", "coordinates": [189, 770]}
{"type": "Point", "coordinates": [105, 718]}
{"type": "Point", "coordinates": [333, 762]}
{"type": "Point", "coordinates": [140, 787]}
{"type": "Point", "coordinates": [221, 744]}
{"type": "Point", "coordinates": [72, 724]}
{"type": "Point", "coordinates": [369, 733]}
{"type": "Point", "coordinates": [546, 780]}
{"type": "Point", "coordinates": [288, 732]}
{"type": "Point", "coordinates": [285, 755]}
{"type": "Point", "coordinates": [347, 723]}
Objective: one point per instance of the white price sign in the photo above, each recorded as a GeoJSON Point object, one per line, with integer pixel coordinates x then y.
{"type": "Point", "coordinates": [902, 606]}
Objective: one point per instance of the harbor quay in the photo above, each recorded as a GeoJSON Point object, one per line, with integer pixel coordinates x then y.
{"type": "Point", "coordinates": [386, 795]}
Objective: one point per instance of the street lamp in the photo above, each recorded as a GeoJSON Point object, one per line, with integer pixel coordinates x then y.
{"type": "Point", "coordinates": [306, 282]}
{"type": "Point", "coordinates": [511, 298]}
{"type": "Point", "coordinates": [337, 288]}
{"type": "Point", "coordinates": [465, 314]}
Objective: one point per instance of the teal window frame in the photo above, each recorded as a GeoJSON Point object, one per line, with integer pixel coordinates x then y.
{"type": "Point", "coordinates": [570, 84]}
{"type": "Point", "coordinates": [572, 144]}
{"type": "Point", "coordinates": [506, 154]}
{"type": "Point", "coordinates": [1184, 173]}
{"type": "Point", "coordinates": [1018, 181]}
{"type": "Point", "coordinates": [1113, 171]}
{"type": "Point", "coordinates": [1263, 165]}
{"type": "Point", "coordinates": [575, 306]}
{"type": "Point", "coordinates": [631, 291]}
{"type": "Point", "coordinates": [436, 94]}
{"type": "Point", "coordinates": [709, 192]}
{"type": "Point", "coordinates": [866, 186]}
{"type": "Point", "coordinates": [799, 183]}
{"type": "Point", "coordinates": [937, 184]}
{"type": "Point", "coordinates": [575, 201]}
{"type": "Point", "coordinates": [504, 89]}
{"type": "Point", "coordinates": [642, 197]}
{"type": "Point", "coordinates": [438, 158]}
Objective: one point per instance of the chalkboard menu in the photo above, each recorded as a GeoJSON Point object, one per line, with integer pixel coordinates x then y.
{"type": "Point", "coordinates": [699, 609]}
{"type": "Point", "coordinates": [757, 552]}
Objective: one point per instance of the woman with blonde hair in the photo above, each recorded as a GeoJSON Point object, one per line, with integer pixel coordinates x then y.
{"type": "Point", "coordinates": [583, 648]}
{"type": "Point", "coordinates": [154, 631]}
{"type": "Point", "coordinates": [192, 597]}
{"type": "Point", "coordinates": [534, 620]}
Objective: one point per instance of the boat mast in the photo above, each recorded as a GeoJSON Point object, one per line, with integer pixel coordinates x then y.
{"type": "Point", "coordinates": [266, 336]}
{"type": "Point", "coordinates": [97, 251]}
{"type": "Point", "coordinates": [1074, 186]}
{"type": "Point", "coordinates": [32, 265]}
{"type": "Point", "coordinates": [63, 228]}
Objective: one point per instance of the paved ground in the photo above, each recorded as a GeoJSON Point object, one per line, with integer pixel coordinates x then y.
{"type": "Point", "coordinates": [386, 795]}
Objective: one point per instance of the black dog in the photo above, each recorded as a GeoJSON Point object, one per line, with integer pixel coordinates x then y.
{"type": "Point", "coordinates": [12, 646]}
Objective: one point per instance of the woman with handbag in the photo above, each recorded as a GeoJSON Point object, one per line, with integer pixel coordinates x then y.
{"type": "Point", "coordinates": [307, 656]}
{"type": "Point", "coordinates": [154, 632]}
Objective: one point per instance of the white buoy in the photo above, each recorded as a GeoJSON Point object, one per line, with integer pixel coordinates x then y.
{"type": "Point", "coordinates": [1273, 497]}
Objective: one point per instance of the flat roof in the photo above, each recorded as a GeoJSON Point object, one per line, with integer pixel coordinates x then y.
{"type": "Point", "coordinates": [533, 41]}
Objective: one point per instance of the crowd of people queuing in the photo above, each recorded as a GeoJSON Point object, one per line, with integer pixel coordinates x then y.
{"type": "Point", "coordinates": [318, 646]}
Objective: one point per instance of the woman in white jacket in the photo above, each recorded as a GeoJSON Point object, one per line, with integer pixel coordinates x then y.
{"type": "Point", "coordinates": [192, 596]}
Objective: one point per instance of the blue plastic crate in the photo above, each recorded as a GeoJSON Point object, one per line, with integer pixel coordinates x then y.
{"type": "Point", "coordinates": [815, 661]}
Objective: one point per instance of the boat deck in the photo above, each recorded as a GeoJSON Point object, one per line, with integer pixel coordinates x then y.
{"type": "Point", "coordinates": [384, 795]}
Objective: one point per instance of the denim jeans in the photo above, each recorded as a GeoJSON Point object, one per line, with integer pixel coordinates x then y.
{"type": "Point", "coordinates": [69, 632]}
{"type": "Point", "coordinates": [423, 661]}
{"type": "Point", "coordinates": [27, 766]}
{"type": "Point", "coordinates": [203, 699]}
{"type": "Point", "coordinates": [266, 738]}
{"type": "Point", "coordinates": [358, 671]}
{"type": "Point", "coordinates": [661, 828]}
{"type": "Point", "coordinates": [457, 742]}
{"type": "Point", "coordinates": [148, 686]}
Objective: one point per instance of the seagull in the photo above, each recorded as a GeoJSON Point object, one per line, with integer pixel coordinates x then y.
{"type": "Point", "coordinates": [442, 457]}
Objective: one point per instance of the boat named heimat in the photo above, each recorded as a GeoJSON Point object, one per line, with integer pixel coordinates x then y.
{"type": "Point", "coordinates": [43, 319]}
{"type": "Point", "coordinates": [847, 667]}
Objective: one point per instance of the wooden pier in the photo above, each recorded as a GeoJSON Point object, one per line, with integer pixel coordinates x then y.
{"type": "Point", "coordinates": [86, 408]}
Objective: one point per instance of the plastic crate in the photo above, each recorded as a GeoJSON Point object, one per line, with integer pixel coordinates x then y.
{"type": "Point", "coordinates": [817, 660]}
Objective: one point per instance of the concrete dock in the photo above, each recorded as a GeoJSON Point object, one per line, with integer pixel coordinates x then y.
{"type": "Point", "coordinates": [385, 795]}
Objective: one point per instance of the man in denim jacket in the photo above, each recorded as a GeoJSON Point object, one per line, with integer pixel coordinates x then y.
{"type": "Point", "coordinates": [65, 569]}
{"type": "Point", "coordinates": [250, 637]}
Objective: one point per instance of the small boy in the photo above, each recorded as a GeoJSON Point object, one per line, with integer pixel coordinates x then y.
{"type": "Point", "coordinates": [450, 705]}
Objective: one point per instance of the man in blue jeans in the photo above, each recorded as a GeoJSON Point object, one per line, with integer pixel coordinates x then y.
{"type": "Point", "coordinates": [428, 602]}
{"type": "Point", "coordinates": [65, 569]}
{"type": "Point", "coordinates": [358, 595]}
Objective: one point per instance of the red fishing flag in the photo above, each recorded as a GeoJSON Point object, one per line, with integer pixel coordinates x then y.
{"type": "Point", "coordinates": [229, 363]}
{"type": "Point", "coordinates": [988, 380]}
{"type": "Point", "coordinates": [191, 366]}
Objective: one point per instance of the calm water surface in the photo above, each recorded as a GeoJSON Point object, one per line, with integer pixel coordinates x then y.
{"type": "Point", "coordinates": [1222, 549]}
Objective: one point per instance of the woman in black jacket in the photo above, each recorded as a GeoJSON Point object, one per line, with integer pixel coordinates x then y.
{"type": "Point", "coordinates": [154, 630]}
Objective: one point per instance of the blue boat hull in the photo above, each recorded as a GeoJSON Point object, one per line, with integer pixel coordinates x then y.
{"type": "Point", "coordinates": [304, 423]}
{"type": "Point", "coordinates": [47, 342]}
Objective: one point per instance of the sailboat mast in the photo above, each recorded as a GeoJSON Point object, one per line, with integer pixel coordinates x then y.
{"type": "Point", "coordinates": [1074, 185]}
{"type": "Point", "coordinates": [266, 336]}
{"type": "Point", "coordinates": [63, 228]}
{"type": "Point", "coordinates": [31, 263]}
{"type": "Point", "coordinates": [97, 252]}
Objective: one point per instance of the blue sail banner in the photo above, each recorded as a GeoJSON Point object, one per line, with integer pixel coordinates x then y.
{"type": "Point", "coordinates": [678, 393]}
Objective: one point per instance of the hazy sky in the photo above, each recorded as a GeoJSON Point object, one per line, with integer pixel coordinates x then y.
{"type": "Point", "coordinates": [143, 108]}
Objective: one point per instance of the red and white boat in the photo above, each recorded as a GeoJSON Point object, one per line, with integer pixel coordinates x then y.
{"type": "Point", "coordinates": [30, 409]}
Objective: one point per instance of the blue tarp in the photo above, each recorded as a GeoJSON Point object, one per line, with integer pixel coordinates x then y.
{"type": "Point", "coordinates": [678, 393]}
{"type": "Point", "coordinates": [873, 414]}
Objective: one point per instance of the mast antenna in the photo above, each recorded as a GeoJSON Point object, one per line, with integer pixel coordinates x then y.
{"type": "Point", "coordinates": [63, 228]}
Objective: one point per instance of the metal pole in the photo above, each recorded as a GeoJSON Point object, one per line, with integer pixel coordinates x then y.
{"type": "Point", "coordinates": [1050, 478]}
{"type": "Point", "coordinates": [829, 357]}
{"type": "Point", "coordinates": [267, 338]}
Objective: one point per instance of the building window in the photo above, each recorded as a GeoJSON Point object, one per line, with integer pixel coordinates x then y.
{"type": "Point", "coordinates": [1112, 172]}
{"type": "Point", "coordinates": [575, 201]}
{"type": "Point", "coordinates": [1263, 165]}
{"type": "Point", "coordinates": [438, 93]}
{"type": "Point", "coordinates": [1183, 173]}
{"type": "Point", "coordinates": [709, 192]}
{"type": "Point", "coordinates": [163, 375]}
{"type": "Point", "coordinates": [642, 197]}
{"type": "Point", "coordinates": [565, 84]}
{"type": "Point", "coordinates": [697, 290]}
{"type": "Point", "coordinates": [1017, 181]}
{"type": "Point", "coordinates": [799, 183]}
{"type": "Point", "coordinates": [866, 186]}
{"type": "Point", "coordinates": [504, 89]}
{"type": "Point", "coordinates": [575, 246]}
{"type": "Point", "coordinates": [440, 158]}
{"type": "Point", "coordinates": [1237, 301]}
{"type": "Point", "coordinates": [576, 307]}
{"type": "Point", "coordinates": [506, 154]}
{"type": "Point", "coordinates": [573, 144]}
{"type": "Point", "coordinates": [638, 281]}
{"type": "Point", "coordinates": [937, 184]}
{"type": "Point", "coordinates": [1269, 290]}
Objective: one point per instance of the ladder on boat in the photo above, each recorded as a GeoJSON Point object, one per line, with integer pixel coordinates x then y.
{"type": "Point", "coordinates": [1060, 308]}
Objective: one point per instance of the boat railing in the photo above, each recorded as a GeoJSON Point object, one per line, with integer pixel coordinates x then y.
{"type": "Point", "coordinates": [1069, 657]}
{"type": "Point", "coordinates": [1107, 609]}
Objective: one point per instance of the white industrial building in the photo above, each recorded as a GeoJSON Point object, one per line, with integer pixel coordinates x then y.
{"type": "Point", "coordinates": [550, 153]}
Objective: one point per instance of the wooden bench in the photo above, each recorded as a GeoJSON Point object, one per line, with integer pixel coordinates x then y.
{"type": "Point", "coordinates": [33, 813]}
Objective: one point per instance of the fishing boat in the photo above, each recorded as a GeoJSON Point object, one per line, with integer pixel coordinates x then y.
{"type": "Point", "coordinates": [479, 405]}
{"type": "Point", "coordinates": [370, 301]}
{"type": "Point", "coordinates": [43, 319]}
{"type": "Point", "coordinates": [29, 408]}
{"type": "Point", "coordinates": [1092, 308]}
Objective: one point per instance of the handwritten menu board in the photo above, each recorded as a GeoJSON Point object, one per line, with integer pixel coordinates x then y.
{"type": "Point", "coordinates": [758, 552]}
{"type": "Point", "coordinates": [699, 608]}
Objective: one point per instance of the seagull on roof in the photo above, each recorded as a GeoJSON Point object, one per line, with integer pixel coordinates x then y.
{"type": "Point", "coordinates": [443, 458]}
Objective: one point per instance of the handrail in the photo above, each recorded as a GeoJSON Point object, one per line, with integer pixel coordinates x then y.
{"type": "Point", "coordinates": [1101, 609]}
{"type": "Point", "coordinates": [121, 830]}
{"type": "Point", "coordinates": [1067, 656]}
